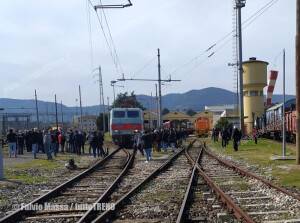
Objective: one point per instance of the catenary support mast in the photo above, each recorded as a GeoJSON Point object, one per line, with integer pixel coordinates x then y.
{"type": "Point", "coordinates": [298, 83]}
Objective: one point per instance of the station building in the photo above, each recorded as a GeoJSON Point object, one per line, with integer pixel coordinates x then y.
{"type": "Point", "coordinates": [87, 123]}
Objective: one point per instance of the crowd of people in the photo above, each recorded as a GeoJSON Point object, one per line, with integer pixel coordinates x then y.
{"type": "Point", "coordinates": [51, 142]}
{"type": "Point", "coordinates": [158, 139]}
{"type": "Point", "coordinates": [227, 134]}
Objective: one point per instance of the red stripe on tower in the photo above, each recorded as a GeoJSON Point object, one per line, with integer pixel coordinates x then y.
{"type": "Point", "coordinates": [271, 86]}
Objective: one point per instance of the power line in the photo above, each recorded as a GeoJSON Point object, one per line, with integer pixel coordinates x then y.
{"type": "Point", "coordinates": [143, 67]}
{"type": "Point", "coordinates": [90, 33]}
{"type": "Point", "coordinates": [247, 23]}
{"type": "Point", "coordinates": [105, 37]}
{"type": "Point", "coordinates": [112, 41]}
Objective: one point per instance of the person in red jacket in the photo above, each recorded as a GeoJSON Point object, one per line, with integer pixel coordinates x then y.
{"type": "Point", "coordinates": [61, 141]}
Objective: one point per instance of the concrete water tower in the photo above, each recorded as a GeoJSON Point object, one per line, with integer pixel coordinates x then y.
{"type": "Point", "coordinates": [255, 79]}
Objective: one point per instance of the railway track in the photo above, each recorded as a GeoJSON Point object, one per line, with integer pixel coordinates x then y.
{"type": "Point", "coordinates": [157, 198]}
{"type": "Point", "coordinates": [138, 172]}
{"type": "Point", "coordinates": [215, 184]}
{"type": "Point", "coordinates": [71, 200]}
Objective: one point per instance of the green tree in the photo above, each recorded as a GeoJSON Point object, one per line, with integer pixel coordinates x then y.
{"type": "Point", "coordinates": [99, 122]}
{"type": "Point", "coordinates": [191, 112]}
{"type": "Point", "coordinates": [222, 123]}
{"type": "Point", "coordinates": [165, 111]}
{"type": "Point", "coordinates": [125, 100]}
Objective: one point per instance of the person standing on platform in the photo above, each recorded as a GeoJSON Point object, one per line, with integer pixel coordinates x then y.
{"type": "Point", "coordinates": [11, 139]}
{"type": "Point", "coordinates": [94, 141]}
{"type": "Point", "coordinates": [83, 141]}
{"type": "Point", "coordinates": [47, 141]}
{"type": "Point", "coordinates": [254, 135]}
{"type": "Point", "coordinates": [137, 141]}
{"type": "Point", "coordinates": [34, 141]}
{"type": "Point", "coordinates": [147, 142]}
{"type": "Point", "coordinates": [20, 143]}
{"type": "Point", "coordinates": [173, 139]}
{"type": "Point", "coordinates": [224, 137]}
{"type": "Point", "coordinates": [100, 150]}
{"type": "Point", "coordinates": [236, 138]}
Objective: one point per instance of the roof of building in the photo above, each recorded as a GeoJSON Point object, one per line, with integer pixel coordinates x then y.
{"type": "Point", "coordinates": [176, 116]}
{"type": "Point", "coordinates": [254, 60]}
{"type": "Point", "coordinates": [218, 108]}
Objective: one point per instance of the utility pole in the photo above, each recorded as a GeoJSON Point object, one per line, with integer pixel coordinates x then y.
{"type": "Point", "coordinates": [108, 114]}
{"type": "Point", "coordinates": [283, 111]}
{"type": "Point", "coordinates": [56, 118]}
{"type": "Point", "coordinates": [101, 98]}
{"type": "Point", "coordinates": [37, 110]}
{"type": "Point", "coordinates": [239, 5]}
{"type": "Point", "coordinates": [1, 148]}
{"type": "Point", "coordinates": [1, 160]}
{"type": "Point", "coordinates": [159, 80]}
{"type": "Point", "coordinates": [62, 114]}
{"type": "Point", "coordinates": [80, 103]}
{"type": "Point", "coordinates": [298, 83]}
{"type": "Point", "coordinates": [159, 90]}
{"type": "Point", "coordinates": [47, 113]}
{"type": "Point", "coordinates": [157, 106]}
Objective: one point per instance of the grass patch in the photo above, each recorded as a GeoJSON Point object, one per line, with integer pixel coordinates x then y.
{"type": "Point", "coordinates": [107, 137]}
{"type": "Point", "coordinates": [285, 172]}
{"type": "Point", "coordinates": [38, 164]}
{"type": "Point", "coordinates": [25, 177]}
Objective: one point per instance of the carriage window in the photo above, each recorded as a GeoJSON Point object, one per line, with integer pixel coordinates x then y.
{"type": "Point", "coordinates": [119, 114]}
{"type": "Point", "coordinates": [133, 114]}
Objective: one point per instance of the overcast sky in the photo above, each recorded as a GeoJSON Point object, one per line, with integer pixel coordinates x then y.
{"type": "Point", "coordinates": [45, 45]}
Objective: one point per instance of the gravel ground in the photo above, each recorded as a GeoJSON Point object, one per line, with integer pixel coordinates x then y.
{"type": "Point", "coordinates": [265, 172]}
{"type": "Point", "coordinates": [271, 199]}
{"type": "Point", "coordinates": [14, 193]}
{"type": "Point", "coordinates": [161, 199]}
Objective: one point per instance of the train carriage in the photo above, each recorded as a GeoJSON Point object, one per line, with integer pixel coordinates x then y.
{"type": "Point", "coordinates": [123, 123]}
{"type": "Point", "coordinates": [270, 124]}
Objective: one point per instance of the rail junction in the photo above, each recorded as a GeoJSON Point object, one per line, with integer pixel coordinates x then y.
{"type": "Point", "coordinates": [190, 185]}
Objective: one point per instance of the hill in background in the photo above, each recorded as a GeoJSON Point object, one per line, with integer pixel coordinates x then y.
{"type": "Point", "coordinates": [197, 99]}
{"type": "Point", "coordinates": [194, 99]}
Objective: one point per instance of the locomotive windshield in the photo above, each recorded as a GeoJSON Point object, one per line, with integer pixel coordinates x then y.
{"type": "Point", "coordinates": [133, 114]}
{"type": "Point", "coordinates": [119, 114]}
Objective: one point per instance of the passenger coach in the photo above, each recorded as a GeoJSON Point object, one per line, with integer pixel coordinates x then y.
{"type": "Point", "coordinates": [123, 123]}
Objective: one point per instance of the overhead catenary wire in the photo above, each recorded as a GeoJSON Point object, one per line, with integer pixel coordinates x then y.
{"type": "Point", "coordinates": [106, 39]}
{"type": "Point", "coordinates": [112, 40]}
{"type": "Point", "coordinates": [246, 24]}
{"type": "Point", "coordinates": [144, 66]}
{"type": "Point", "coordinates": [90, 34]}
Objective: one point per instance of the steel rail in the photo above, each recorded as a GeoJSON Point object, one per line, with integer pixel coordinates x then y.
{"type": "Point", "coordinates": [90, 214]}
{"type": "Point", "coordinates": [25, 210]}
{"type": "Point", "coordinates": [244, 172]}
{"type": "Point", "coordinates": [187, 197]}
{"type": "Point", "coordinates": [104, 217]}
{"type": "Point", "coordinates": [224, 198]}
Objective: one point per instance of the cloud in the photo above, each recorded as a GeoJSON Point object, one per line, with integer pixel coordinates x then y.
{"type": "Point", "coordinates": [45, 45]}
